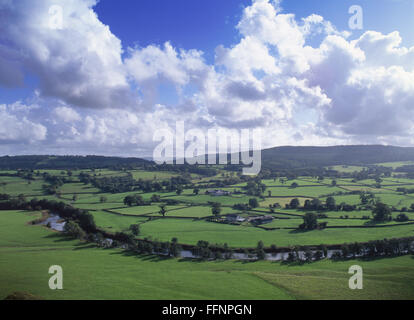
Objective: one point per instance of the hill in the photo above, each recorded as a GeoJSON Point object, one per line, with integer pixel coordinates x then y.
{"type": "Point", "coordinates": [302, 157]}
{"type": "Point", "coordinates": [67, 162]}
{"type": "Point", "coordinates": [273, 158]}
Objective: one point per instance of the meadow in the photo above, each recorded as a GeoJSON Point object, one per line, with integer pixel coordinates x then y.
{"type": "Point", "coordinates": [26, 251]}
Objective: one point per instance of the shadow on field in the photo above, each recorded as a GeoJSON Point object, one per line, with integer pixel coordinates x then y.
{"type": "Point", "coordinates": [82, 246]}
{"type": "Point", "coordinates": [296, 231]}
{"type": "Point", "coordinates": [57, 237]}
{"type": "Point", "coordinates": [193, 260]}
{"type": "Point", "coordinates": [143, 257]}
{"type": "Point", "coordinates": [374, 223]}
{"type": "Point", "coordinates": [246, 261]}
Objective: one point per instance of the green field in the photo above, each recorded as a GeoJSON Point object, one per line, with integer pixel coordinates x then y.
{"type": "Point", "coordinates": [27, 252]}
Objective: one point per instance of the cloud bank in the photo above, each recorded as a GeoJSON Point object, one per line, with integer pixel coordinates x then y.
{"type": "Point", "coordinates": [96, 97]}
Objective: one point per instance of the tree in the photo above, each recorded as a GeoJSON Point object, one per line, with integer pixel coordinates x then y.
{"type": "Point", "coordinates": [87, 222]}
{"type": "Point", "coordinates": [355, 249]}
{"type": "Point", "coordinates": [333, 183]}
{"type": "Point", "coordinates": [134, 200]}
{"type": "Point", "coordinates": [196, 191]}
{"type": "Point", "coordinates": [261, 255]}
{"type": "Point", "coordinates": [330, 203]}
{"type": "Point", "coordinates": [128, 200]}
{"type": "Point", "coordinates": [155, 198]}
{"type": "Point", "coordinates": [202, 250]}
{"type": "Point", "coordinates": [310, 221]}
{"type": "Point", "coordinates": [308, 255]}
{"type": "Point", "coordinates": [73, 230]}
{"type": "Point", "coordinates": [139, 201]}
{"type": "Point", "coordinates": [103, 199]}
{"type": "Point", "coordinates": [294, 185]}
{"type": "Point", "coordinates": [253, 203]}
{"type": "Point", "coordinates": [162, 210]}
{"type": "Point", "coordinates": [174, 249]}
{"type": "Point", "coordinates": [345, 251]}
{"type": "Point", "coordinates": [179, 190]}
{"type": "Point", "coordinates": [402, 217]}
{"type": "Point", "coordinates": [294, 203]}
{"type": "Point", "coordinates": [134, 229]}
{"type": "Point", "coordinates": [318, 255]}
{"type": "Point", "coordinates": [216, 209]}
{"type": "Point", "coordinates": [381, 212]}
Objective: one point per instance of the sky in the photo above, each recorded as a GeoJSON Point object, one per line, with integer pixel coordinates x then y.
{"type": "Point", "coordinates": [101, 77]}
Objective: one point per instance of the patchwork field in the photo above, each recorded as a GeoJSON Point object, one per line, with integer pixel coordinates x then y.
{"type": "Point", "coordinates": [26, 251]}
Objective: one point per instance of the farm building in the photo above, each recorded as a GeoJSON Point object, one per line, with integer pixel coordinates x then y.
{"type": "Point", "coordinates": [218, 193]}
{"type": "Point", "coordinates": [234, 218]}
{"type": "Point", "coordinates": [261, 220]}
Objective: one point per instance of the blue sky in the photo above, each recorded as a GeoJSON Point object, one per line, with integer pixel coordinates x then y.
{"type": "Point", "coordinates": [115, 72]}
{"type": "Point", "coordinates": [205, 24]}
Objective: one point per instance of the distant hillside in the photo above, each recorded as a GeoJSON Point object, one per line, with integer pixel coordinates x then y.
{"type": "Point", "coordinates": [302, 157]}
{"type": "Point", "coordinates": [274, 158]}
{"type": "Point", "coordinates": [67, 162]}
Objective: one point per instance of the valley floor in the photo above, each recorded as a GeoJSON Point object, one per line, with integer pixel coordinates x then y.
{"type": "Point", "coordinates": [27, 252]}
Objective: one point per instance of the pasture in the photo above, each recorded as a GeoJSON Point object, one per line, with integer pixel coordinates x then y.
{"type": "Point", "coordinates": [27, 252]}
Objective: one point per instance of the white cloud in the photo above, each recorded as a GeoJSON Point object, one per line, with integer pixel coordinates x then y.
{"type": "Point", "coordinates": [66, 114]}
{"type": "Point", "coordinates": [19, 129]}
{"type": "Point", "coordinates": [80, 63]}
{"type": "Point", "coordinates": [340, 91]}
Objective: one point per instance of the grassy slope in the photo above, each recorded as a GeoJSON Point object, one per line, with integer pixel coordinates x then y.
{"type": "Point", "coordinates": [26, 253]}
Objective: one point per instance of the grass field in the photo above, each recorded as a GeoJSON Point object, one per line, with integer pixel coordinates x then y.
{"type": "Point", "coordinates": [27, 252]}
{"type": "Point", "coordinates": [245, 236]}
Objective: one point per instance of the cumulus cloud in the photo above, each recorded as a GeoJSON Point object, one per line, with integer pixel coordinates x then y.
{"type": "Point", "coordinates": [16, 128]}
{"type": "Point", "coordinates": [341, 90]}
{"type": "Point", "coordinates": [66, 114]}
{"type": "Point", "coordinates": [79, 63]}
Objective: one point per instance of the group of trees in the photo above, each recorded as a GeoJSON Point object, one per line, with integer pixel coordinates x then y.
{"type": "Point", "coordinates": [308, 255]}
{"type": "Point", "coordinates": [310, 222]}
{"type": "Point", "coordinates": [205, 251]}
{"type": "Point", "coordinates": [255, 188]}
{"type": "Point", "coordinates": [83, 218]}
{"type": "Point", "coordinates": [216, 208]}
{"type": "Point", "coordinates": [381, 212]}
{"type": "Point", "coordinates": [126, 183]}
{"type": "Point", "coordinates": [72, 229]}
{"type": "Point", "coordinates": [329, 204]}
{"type": "Point", "coordinates": [405, 190]}
{"type": "Point", "coordinates": [386, 247]}
{"type": "Point", "coordinates": [135, 200]}
{"type": "Point", "coordinates": [54, 182]}
{"type": "Point", "coordinates": [169, 248]}
{"type": "Point", "coordinates": [252, 204]}
{"type": "Point", "coordinates": [4, 196]}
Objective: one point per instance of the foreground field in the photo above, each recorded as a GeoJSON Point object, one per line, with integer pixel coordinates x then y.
{"type": "Point", "coordinates": [27, 252]}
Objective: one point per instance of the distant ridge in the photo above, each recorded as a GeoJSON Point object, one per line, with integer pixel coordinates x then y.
{"type": "Point", "coordinates": [67, 162]}
{"type": "Point", "coordinates": [294, 157]}
{"type": "Point", "coordinates": [275, 158]}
